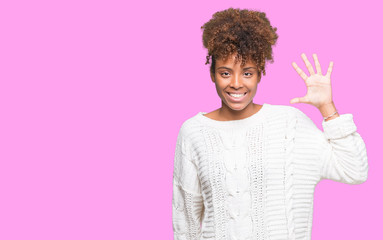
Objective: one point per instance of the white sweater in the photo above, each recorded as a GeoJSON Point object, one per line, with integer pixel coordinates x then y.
{"type": "Point", "coordinates": [254, 178]}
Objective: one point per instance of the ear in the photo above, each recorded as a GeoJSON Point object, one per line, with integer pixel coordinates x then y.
{"type": "Point", "coordinates": [212, 77]}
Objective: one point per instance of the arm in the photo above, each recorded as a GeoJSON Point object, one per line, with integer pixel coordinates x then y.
{"type": "Point", "coordinates": [187, 203]}
{"type": "Point", "coordinates": [342, 153]}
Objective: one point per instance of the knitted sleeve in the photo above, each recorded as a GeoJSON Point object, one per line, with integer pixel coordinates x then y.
{"type": "Point", "coordinates": [187, 198]}
{"type": "Point", "coordinates": [341, 151]}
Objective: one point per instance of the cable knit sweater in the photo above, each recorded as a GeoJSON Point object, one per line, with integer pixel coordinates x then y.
{"type": "Point", "coordinates": [254, 178]}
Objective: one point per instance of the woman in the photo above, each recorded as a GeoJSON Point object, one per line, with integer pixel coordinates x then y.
{"type": "Point", "coordinates": [248, 171]}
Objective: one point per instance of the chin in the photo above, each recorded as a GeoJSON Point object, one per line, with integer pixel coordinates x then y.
{"type": "Point", "coordinates": [237, 107]}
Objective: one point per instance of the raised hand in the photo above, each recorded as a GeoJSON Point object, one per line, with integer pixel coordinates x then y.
{"type": "Point", "coordinates": [318, 86]}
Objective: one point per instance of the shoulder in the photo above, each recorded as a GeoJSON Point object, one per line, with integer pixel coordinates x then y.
{"type": "Point", "coordinates": [284, 110]}
{"type": "Point", "coordinates": [189, 126]}
{"type": "Point", "coordinates": [290, 115]}
{"type": "Point", "coordinates": [287, 108]}
{"type": "Point", "coordinates": [291, 110]}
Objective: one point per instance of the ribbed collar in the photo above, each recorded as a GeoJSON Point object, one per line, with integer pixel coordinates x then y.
{"type": "Point", "coordinates": [258, 116]}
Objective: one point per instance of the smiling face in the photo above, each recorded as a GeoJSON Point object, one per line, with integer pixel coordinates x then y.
{"type": "Point", "coordinates": [232, 78]}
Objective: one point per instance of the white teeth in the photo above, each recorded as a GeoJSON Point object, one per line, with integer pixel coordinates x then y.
{"type": "Point", "coordinates": [236, 95]}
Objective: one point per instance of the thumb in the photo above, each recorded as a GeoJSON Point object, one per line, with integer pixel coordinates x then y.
{"type": "Point", "coordinates": [297, 100]}
{"type": "Point", "coordinates": [294, 100]}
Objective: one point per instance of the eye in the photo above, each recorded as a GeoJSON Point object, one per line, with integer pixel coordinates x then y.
{"type": "Point", "coordinates": [222, 74]}
{"type": "Point", "coordinates": [249, 73]}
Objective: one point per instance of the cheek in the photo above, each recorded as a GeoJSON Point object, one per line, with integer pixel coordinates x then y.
{"type": "Point", "coordinates": [253, 91]}
{"type": "Point", "coordinates": [253, 86]}
{"type": "Point", "coordinates": [220, 86]}
{"type": "Point", "coordinates": [219, 90]}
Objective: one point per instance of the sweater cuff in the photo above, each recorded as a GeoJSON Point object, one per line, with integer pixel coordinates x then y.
{"type": "Point", "coordinates": [339, 127]}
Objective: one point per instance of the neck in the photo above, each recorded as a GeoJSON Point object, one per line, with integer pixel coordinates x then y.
{"type": "Point", "coordinates": [228, 114]}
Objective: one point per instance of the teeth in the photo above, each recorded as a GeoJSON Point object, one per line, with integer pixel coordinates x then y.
{"type": "Point", "coordinates": [236, 95]}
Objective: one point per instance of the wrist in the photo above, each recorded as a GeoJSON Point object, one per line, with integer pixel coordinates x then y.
{"type": "Point", "coordinates": [327, 110]}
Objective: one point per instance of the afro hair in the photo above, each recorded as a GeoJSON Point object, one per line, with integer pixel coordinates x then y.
{"type": "Point", "coordinates": [246, 33]}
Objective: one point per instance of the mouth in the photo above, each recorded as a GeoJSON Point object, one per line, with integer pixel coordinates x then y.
{"type": "Point", "coordinates": [236, 97]}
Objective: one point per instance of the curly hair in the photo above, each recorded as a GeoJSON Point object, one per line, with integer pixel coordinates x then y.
{"type": "Point", "coordinates": [247, 33]}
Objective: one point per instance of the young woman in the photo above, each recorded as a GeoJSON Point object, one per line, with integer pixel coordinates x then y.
{"type": "Point", "coordinates": [248, 171]}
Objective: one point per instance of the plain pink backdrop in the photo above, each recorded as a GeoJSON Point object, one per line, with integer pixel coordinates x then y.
{"type": "Point", "coordinates": [93, 94]}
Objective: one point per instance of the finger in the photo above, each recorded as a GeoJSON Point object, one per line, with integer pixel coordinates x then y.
{"type": "Point", "coordinates": [317, 65]}
{"type": "Point", "coordinates": [308, 64]}
{"type": "Point", "coordinates": [303, 99]}
{"type": "Point", "coordinates": [329, 70]}
{"type": "Point", "coordinates": [299, 71]}
{"type": "Point", "coordinates": [296, 100]}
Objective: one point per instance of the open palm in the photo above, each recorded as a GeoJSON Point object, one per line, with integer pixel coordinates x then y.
{"type": "Point", "coordinates": [318, 86]}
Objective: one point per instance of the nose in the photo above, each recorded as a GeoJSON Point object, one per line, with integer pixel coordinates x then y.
{"type": "Point", "coordinates": [236, 81]}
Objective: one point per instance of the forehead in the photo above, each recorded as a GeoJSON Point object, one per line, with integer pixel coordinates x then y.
{"type": "Point", "coordinates": [230, 62]}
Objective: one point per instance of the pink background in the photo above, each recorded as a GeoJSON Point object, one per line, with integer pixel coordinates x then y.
{"type": "Point", "coordinates": [93, 94]}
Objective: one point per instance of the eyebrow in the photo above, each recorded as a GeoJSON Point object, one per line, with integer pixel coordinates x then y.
{"type": "Point", "coordinates": [231, 69]}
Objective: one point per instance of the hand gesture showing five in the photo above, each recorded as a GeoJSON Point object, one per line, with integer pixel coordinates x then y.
{"type": "Point", "coordinates": [318, 86]}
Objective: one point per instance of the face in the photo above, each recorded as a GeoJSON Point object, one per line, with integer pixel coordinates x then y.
{"type": "Point", "coordinates": [233, 78]}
